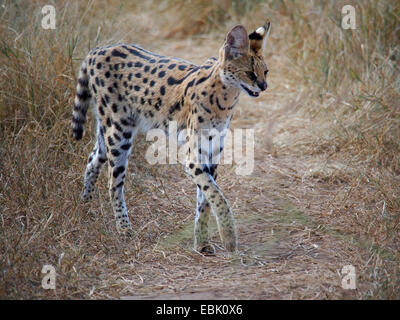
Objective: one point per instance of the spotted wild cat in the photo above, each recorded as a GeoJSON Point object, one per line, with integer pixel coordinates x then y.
{"type": "Point", "coordinates": [135, 90]}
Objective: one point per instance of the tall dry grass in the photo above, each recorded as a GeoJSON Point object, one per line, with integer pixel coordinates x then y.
{"type": "Point", "coordinates": [346, 83]}
{"type": "Point", "coordinates": [350, 84]}
{"type": "Point", "coordinates": [41, 168]}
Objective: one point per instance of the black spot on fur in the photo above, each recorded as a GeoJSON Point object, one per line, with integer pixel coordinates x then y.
{"type": "Point", "coordinates": [190, 84]}
{"type": "Point", "coordinates": [119, 185]}
{"type": "Point", "coordinates": [158, 104]}
{"type": "Point", "coordinates": [126, 146]}
{"type": "Point", "coordinates": [219, 105]}
{"type": "Point", "coordinates": [78, 133]}
{"type": "Point", "coordinates": [127, 135]}
{"type": "Point", "coordinates": [117, 53]}
{"type": "Point", "coordinates": [108, 122]}
{"type": "Point", "coordinates": [204, 78]}
{"type": "Point", "coordinates": [115, 152]}
{"type": "Point", "coordinates": [162, 90]}
{"type": "Point", "coordinates": [175, 107]}
{"type": "Point", "coordinates": [117, 126]}
{"type": "Point", "coordinates": [212, 98]}
{"type": "Point", "coordinates": [172, 81]}
{"type": "Point", "coordinates": [117, 137]}
{"type": "Point", "coordinates": [118, 171]}
{"type": "Point", "coordinates": [84, 95]}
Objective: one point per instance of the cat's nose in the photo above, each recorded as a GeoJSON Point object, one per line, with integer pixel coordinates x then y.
{"type": "Point", "coordinates": [262, 85]}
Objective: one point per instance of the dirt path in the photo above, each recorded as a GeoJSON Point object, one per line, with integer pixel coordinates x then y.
{"type": "Point", "coordinates": [284, 252]}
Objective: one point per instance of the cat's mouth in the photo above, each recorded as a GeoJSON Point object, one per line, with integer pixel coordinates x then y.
{"type": "Point", "coordinates": [251, 93]}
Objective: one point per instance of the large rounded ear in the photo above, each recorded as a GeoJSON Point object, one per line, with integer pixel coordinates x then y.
{"type": "Point", "coordinates": [236, 43]}
{"type": "Point", "coordinates": [259, 37]}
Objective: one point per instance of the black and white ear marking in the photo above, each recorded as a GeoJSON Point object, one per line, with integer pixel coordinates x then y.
{"type": "Point", "coordinates": [237, 42]}
{"type": "Point", "coordinates": [259, 38]}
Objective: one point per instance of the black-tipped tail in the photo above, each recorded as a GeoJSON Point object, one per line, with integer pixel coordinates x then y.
{"type": "Point", "coordinates": [81, 103]}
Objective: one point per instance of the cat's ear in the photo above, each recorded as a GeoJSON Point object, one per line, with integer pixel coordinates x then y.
{"type": "Point", "coordinates": [259, 37]}
{"type": "Point", "coordinates": [236, 43]}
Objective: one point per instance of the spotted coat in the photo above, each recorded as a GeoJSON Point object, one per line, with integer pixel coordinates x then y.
{"type": "Point", "coordinates": [135, 90]}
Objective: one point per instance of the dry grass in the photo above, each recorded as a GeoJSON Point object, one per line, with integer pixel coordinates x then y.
{"type": "Point", "coordinates": [326, 186]}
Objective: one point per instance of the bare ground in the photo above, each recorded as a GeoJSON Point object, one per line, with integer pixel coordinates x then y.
{"type": "Point", "coordinates": [285, 253]}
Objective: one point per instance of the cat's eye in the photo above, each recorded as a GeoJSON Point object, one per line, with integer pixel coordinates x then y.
{"type": "Point", "coordinates": [265, 72]}
{"type": "Point", "coordinates": [252, 76]}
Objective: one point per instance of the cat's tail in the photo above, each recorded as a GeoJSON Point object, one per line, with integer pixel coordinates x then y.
{"type": "Point", "coordinates": [81, 102]}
